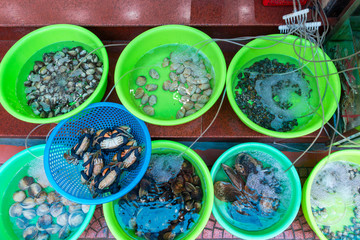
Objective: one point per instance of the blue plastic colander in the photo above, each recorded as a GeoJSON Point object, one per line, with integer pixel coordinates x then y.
{"type": "Point", "coordinates": [65, 178]}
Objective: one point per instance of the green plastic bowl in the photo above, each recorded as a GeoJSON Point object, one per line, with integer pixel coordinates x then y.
{"type": "Point", "coordinates": [284, 52]}
{"type": "Point", "coordinates": [344, 155]}
{"type": "Point", "coordinates": [33, 45]}
{"type": "Point", "coordinates": [165, 146]}
{"type": "Point", "coordinates": [11, 172]}
{"type": "Point", "coordinates": [294, 205]}
{"type": "Point", "coordinates": [151, 39]}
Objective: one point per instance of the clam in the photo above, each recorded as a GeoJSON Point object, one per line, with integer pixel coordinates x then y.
{"type": "Point", "coordinates": [165, 62]}
{"type": "Point", "coordinates": [182, 79]}
{"type": "Point", "coordinates": [174, 86]}
{"type": "Point", "coordinates": [198, 90]}
{"type": "Point", "coordinates": [197, 194]}
{"type": "Point", "coordinates": [43, 209]}
{"type": "Point", "coordinates": [174, 66]}
{"type": "Point", "coordinates": [154, 74]}
{"type": "Point", "coordinates": [53, 229]}
{"type": "Point", "coordinates": [166, 85]}
{"type": "Point", "coordinates": [188, 105]}
{"type": "Point", "coordinates": [141, 81]}
{"type": "Point", "coordinates": [64, 232]}
{"type": "Point", "coordinates": [168, 236]}
{"type": "Point", "coordinates": [43, 236]}
{"type": "Point", "coordinates": [63, 219]}
{"type": "Point", "coordinates": [180, 113]}
{"type": "Point", "coordinates": [182, 89]}
{"type": "Point", "coordinates": [189, 205]}
{"type": "Point", "coordinates": [15, 210]}
{"type": "Point", "coordinates": [152, 100]}
{"type": "Point", "coordinates": [139, 93]}
{"type": "Point", "coordinates": [195, 97]}
{"type": "Point", "coordinates": [199, 106]}
{"type": "Point", "coordinates": [30, 232]}
{"type": "Point", "coordinates": [196, 180]}
{"type": "Point", "coordinates": [151, 87]}
{"type": "Point", "coordinates": [44, 222]}
{"type": "Point", "coordinates": [25, 182]}
{"type": "Point", "coordinates": [19, 196]}
{"type": "Point", "coordinates": [203, 99]}
{"type": "Point", "coordinates": [187, 72]}
{"type": "Point", "coordinates": [191, 111]}
{"type": "Point", "coordinates": [22, 223]}
{"type": "Point", "coordinates": [197, 206]}
{"type": "Point", "coordinates": [85, 208]}
{"type": "Point", "coordinates": [28, 203]}
{"type": "Point", "coordinates": [204, 86]}
{"type": "Point", "coordinates": [57, 209]}
{"type": "Point", "coordinates": [191, 89]}
{"type": "Point", "coordinates": [145, 99]}
{"type": "Point", "coordinates": [41, 198]}
{"type": "Point", "coordinates": [180, 69]}
{"type": "Point", "coordinates": [29, 213]}
{"type": "Point", "coordinates": [185, 99]}
{"type": "Point", "coordinates": [76, 219]}
{"type": "Point", "coordinates": [74, 208]}
{"type": "Point", "coordinates": [208, 92]}
{"type": "Point", "coordinates": [34, 190]}
{"type": "Point", "coordinates": [52, 197]}
{"type": "Point", "coordinates": [173, 76]}
{"type": "Point", "coordinates": [203, 81]}
{"type": "Point", "coordinates": [149, 110]}
{"type": "Point", "coordinates": [67, 202]}
{"type": "Point", "coordinates": [208, 75]}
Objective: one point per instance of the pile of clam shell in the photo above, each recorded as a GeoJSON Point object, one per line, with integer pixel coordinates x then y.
{"type": "Point", "coordinates": [43, 214]}
{"type": "Point", "coordinates": [62, 81]}
{"type": "Point", "coordinates": [189, 79]}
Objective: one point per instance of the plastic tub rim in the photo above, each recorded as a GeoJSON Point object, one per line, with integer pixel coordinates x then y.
{"type": "Point", "coordinates": [256, 146]}
{"type": "Point", "coordinates": [27, 37]}
{"type": "Point", "coordinates": [169, 122]}
{"type": "Point", "coordinates": [108, 208]}
{"type": "Point", "coordinates": [111, 197]}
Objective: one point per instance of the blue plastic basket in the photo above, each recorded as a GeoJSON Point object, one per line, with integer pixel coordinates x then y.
{"type": "Point", "coordinates": [65, 178]}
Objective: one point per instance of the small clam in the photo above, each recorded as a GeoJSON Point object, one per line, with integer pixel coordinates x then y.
{"type": "Point", "coordinates": [190, 80]}
{"type": "Point", "coordinates": [64, 232]}
{"type": "Point", "coordinates": [196, 180]}
{"type": "Point", "coordinates": [63, 219]}
{"type": "Point", "coordinates": [42, 209]}
{"type": "Point", "coordinates": [168, 236]}
{"type": "Point", "coordinates": [174, 86]}
{"type": "Point", "coordinates": [44, 222]}
{"type": "Point", "coordinates": [165, 62]}
{"type": "Point", "coordinates": [197, 206]}
{"type": "Point", "coordinates": [139, 93]}
{"type": "Point", "coordinates": [145, 99]}
{"type": "Point", "coordinates": [57, 209]}
{"type": "Point", "coordinates": [195, 97]}
{"type": "Point", "coordinates": [191, 89]}
{"type": "Point", "coordinates": [152, 100]}
{"type": "Point", "coordinates": [180, 113]}
{"type": "Point", "coordinates": [208, 92]}
{"type": "Point", "coordinates": [76, 219]}
{"type": "Point", "coordinates": [187, 72]}
{"type": "Point", "coordinates": [43, 236]}
{"type": "Point", "coordinates": [141, 81]}
{"type": "Point", "coordinates": [25, 182]}
{"type": "Point", "coordinates": [22, 223]}
{"type": "Point", "coordinates": [151, 87]}
{"type": "Point", "coordinates": [30, 232]}
{"type": "Point", "coordinates": [15, 210]}
{"type": "Point", "coordinates": [182, 79]}
{"type": "Point", "coordinates": [198, 90]}
{"type": "Point", "coordinates": [149, 110]}
{"type": "Point", "coordinates": [28, 203]}
{"type": "Point", "coordinates": [52, 197]}
{"type": "Point", "coordinates": [180, 69]}
{"type": "Point", "coordinates": [74, 208]}
{"type": "Point", "coordinates": [154, 74]}
{"type": "Point", "coordinates": [185, 99]}
{"type": "Point", "coordinates": [188, 105]}
{"type": "Point", "coordinates": [203, 99]}
{"type": "Point", "coordinates": [29, 213]}
{"type": "Point", "coordinates": [191, 111]}
{"type": "Point", "coordinates": [67, 202]}
{"type": "Point", "coordinates": [199, 106]}
{"type": "Point", "coordinates": [182, 89]}
{"type": "Point", "coordinates": [34, 189]}
{"type": "Point", "coordinates": [85, 208]}
{"type": "Point", "coordinates": [173, 76]}
{"type": "Point", "coordinates": [189, 205]}
{"type": "Point", "coordinates": [174, 66]}
{"type": "Point", "coordinates": [208, 75]}
{"type": "Point", "coordinates": [203, 80]}
{"type": "Point", "coordinates": [41, 198]}
{"type": "Point", "coordinates": [166, 85]}
{"type": "Point", "coordinates": [204, 86]}
{"type": "Point", "coordinates": [19, 196]}
{"type": "Point", "coordinates": [53, 229]}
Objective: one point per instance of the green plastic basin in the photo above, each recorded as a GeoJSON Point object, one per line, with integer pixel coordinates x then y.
{"type": "Point", "coordinates": [284, 52]}
{"type": "Point", "coordinates": [286, 219]}
{"type": "Point", "coordinates": [151, 39]}
{"type": "Point", "coordinates": [344, 155]}
{"type": "Point", "coordinates": [33, 45]}
{"type": "Point", "coordinates": [165, 146]}
{"type": "Point", "coordinates": [11, 172]}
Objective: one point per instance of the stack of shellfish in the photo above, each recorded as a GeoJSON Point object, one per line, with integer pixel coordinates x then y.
{"type": "Point", "coordinates": [105, 154]}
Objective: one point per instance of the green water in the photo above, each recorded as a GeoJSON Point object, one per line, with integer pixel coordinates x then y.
{"type": "Point", "coordinates": [167, 102]}
{"type": "Point", "coordinates": [28, 67]}
{"type": "Point", "coordinates": [313, 101]}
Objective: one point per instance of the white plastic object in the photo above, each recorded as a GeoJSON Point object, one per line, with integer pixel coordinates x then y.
{"type": "Point", "coordinates": [296, 17]}
{"type": "Point", "coordinates": [309, 27]}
